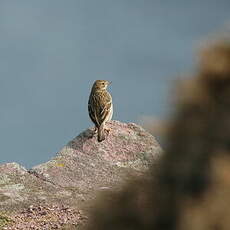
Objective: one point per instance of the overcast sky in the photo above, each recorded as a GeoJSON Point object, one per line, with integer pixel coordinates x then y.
{"type": "Point", "coordinates": [53, 50]}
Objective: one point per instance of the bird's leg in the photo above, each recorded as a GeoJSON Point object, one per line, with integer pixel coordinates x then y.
{"type": "Point", "coordinates": [107, 130]}
{"type": "Point", "coordinates": [94, 131]}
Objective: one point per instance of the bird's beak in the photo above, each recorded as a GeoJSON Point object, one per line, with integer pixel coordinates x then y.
{"type": "Point", "coordinates": [110, 82]}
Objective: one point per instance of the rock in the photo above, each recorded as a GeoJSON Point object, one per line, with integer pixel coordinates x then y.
{"type": "Point", "coordinates": [87, 164]}
{"type": "Point", "coordinates": [19, 188]}
{"type": "Point", "coordinates": [83, 167]}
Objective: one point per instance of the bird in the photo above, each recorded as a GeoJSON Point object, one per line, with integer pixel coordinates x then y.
{"type": "Point", "coordinates": [100, 107]}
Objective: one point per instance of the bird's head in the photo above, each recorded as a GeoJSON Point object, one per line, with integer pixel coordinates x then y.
{"type": "Point", "coordinates": [101, 84]}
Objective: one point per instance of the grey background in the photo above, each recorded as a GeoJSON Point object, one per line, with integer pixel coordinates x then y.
{"type": "Point", "coordinates": [53, 50]}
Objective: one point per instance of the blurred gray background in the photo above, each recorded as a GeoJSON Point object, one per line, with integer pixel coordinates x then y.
{"type": "Point", "coordinates": [53, 50]}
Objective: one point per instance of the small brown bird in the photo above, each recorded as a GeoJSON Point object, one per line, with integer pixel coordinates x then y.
{"type": "Point", "coordinates": [100, 107]}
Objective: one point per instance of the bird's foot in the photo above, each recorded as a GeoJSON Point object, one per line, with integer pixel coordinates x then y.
{"type": "Point", "coordinates": [107, 130]}
{"type": "Point", "coordinates": [93, 132]}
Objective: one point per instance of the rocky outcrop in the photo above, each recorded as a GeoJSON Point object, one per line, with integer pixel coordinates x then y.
{"type": "Point", "coordinates": [82, 168]}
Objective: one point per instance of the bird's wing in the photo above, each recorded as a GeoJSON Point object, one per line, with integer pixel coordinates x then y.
{"type": "Point", "coordinates": [105, 107]}
{"type": "Point", "coordinates": [99, 107]}
{"type": "Point", "coordinates": [92, 110]}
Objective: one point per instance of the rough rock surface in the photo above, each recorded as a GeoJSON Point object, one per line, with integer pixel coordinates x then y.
{"type": "Point", "coordinates": [43, 217]}
{"type": "Point", "coordinates": [83, 167]}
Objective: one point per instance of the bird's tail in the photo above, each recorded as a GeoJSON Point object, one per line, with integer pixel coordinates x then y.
{"type": "Point", "coordinates": [101, 133]}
